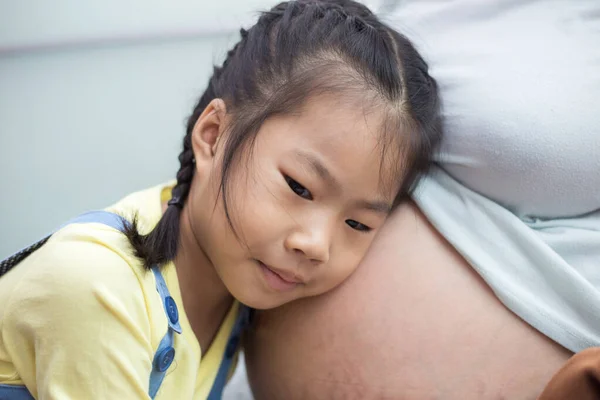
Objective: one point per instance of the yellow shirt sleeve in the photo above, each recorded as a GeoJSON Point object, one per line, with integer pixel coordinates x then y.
{"type": "Point", "coordinates": [87, 332]}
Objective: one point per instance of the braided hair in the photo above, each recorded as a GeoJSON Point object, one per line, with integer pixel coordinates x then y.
{"type": "Point", "coordinates": [302, 48]}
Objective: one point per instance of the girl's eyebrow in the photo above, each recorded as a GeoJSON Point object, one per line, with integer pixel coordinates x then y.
{"type": "Point", "coordinates": [379, 206]}
{"type": "Point", "coordinates": [319, 168]}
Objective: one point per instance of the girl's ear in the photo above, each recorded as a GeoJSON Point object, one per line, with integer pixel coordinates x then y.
{"type": "Point", "coordinates": [207, 130]}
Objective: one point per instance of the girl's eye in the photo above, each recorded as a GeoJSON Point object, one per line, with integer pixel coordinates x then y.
{"type": "Point", "coordinates": [357, 226]}
{"type": "Point", "coordinates": [298, 188]}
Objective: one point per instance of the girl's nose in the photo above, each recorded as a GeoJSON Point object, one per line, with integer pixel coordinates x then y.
{"type": "Point", "coordinates": [311, 240]}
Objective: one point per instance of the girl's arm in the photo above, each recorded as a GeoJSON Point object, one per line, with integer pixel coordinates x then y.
{"type": "Point", "coordinates": [77, 327]}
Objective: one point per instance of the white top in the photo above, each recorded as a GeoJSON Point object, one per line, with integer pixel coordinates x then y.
{"type": "Point", "coordinates": [520, 84]}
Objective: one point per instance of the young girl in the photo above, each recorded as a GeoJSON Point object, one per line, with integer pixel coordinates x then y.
{"type": "Point", "coordinates": [320, 121]}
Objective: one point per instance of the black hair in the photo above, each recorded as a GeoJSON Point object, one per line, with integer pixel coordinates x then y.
{"type": "Point", "coordinates": [295, 50]}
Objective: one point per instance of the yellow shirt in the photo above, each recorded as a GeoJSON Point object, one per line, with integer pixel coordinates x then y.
{"type": "Point", "coordinates": [81, 318]}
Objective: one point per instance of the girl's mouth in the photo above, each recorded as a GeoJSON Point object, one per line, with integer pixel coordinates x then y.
{"type": "Point", "coordinates": [278, 280]}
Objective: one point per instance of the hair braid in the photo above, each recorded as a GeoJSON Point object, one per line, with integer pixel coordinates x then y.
{"type": "Point", "coordinates": [160, 245]}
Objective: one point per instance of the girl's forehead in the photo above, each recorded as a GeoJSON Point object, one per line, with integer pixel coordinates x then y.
{"type": "Point", "coordinates": [342, 138]}
{"type": "Point", "coordinates": [331, 118]}
{"type": "Point", "coordinates": [328, 125]}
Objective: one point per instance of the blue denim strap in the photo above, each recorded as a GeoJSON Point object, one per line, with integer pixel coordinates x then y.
{"type": "Point", "coordinates": [13, 392]}
{"type": "Point", "coordinates": [241, 322]}
{"type": "Point", "coordinates": [102, 217]}
{"type": "Point", "coordinates": [165, 354]}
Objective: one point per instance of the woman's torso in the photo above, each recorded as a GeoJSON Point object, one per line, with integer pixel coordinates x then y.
{"type": "Point", "coordinates": [521, 87]}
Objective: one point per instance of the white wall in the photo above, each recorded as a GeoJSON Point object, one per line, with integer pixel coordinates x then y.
{"type": "Point", "coordinates": [93, 98]}
{"type": "Point", "coordinates": [35, 23]}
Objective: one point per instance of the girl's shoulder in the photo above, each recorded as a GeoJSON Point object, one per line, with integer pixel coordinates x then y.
{"type": "Point", "coordinates": [82, 297]}
{"type": "Point", "coordinates": [93, 251]}
{"type": "Point", "coordinates": [88, 266]}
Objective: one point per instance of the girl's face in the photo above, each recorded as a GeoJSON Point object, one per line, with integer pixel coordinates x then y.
{"type": "Point", "coordinates": [305, 205]}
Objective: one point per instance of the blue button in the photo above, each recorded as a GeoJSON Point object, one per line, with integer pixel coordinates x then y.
{"type": "Point", "coordinates": [232, 346]}
{"type": "Point", "coordinates": [164, 359]}
{"type": "Point", "coordinates": [172, 311]}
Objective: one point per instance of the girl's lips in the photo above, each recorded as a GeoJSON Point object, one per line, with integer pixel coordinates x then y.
{"type": "Point", "coordinates": [277, 281]}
